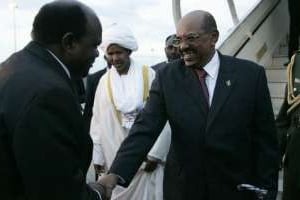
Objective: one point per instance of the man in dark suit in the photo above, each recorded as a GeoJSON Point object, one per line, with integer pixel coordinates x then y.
{"type": "Point", "coordinates": [80, 90]}
{"type": "Point", "coordinates": [288, 124]}
{"type": "Point", "coordinates": [220, 113]}
{"type": "Point", "coordinates": [44, 151]}
{"type": "Point", "coordinates": [171, 51]}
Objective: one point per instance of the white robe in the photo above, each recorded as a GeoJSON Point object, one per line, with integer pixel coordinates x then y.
{"type": "Point", "coordinates": [107, 134]}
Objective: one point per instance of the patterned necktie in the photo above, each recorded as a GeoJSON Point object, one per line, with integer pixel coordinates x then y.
{"type": "Point", "coordinates": [202, 75]}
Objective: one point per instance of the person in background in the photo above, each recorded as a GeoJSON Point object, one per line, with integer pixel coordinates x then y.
{"type": "Point", "coordinates": [80, 91]}
{"type": "Point", "coordinates": [44, 151]}
{"type": "Point", "coordinates": [171, 51]}
{"type": "Point", "coordinates": [288, 124]}
{"type": "Point", "coordinates": [220, 113]}
{"type": "Point", "coordinates": [293, 46]}
{"type": "Point", "coordinates": [92, 82]}
{"type": "Point", "coordinates": [120, 95]}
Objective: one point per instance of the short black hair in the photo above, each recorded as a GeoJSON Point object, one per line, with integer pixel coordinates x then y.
{"type": "Point", "coordinates": [170, 37]}
{"type": "Point", "coordinates": [57, 18]}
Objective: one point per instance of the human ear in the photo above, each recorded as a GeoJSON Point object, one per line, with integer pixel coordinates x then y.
{"type": "Point", "coordinates": [215, 37]}
{"type": "Point", "coordinates": [68, 41]}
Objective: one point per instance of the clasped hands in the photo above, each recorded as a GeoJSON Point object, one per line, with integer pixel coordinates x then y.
{"type": "Point", "coordinates": [108, 182]}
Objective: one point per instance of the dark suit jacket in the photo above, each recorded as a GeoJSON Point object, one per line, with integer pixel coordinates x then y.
{"type": "Point", "coordinates": [172, 176]}
{"type": "Point", "coordinates": [289, 137]}
{"type": "Point", "coordinates": [159, 65]}
{"type": "Point", "coordinates": [80, 90]}
{"type": "Point", "coordinates": [44, 152]}
{"type": "Point", "coordinates": [283, 123]}
{"type": "Point", "coordinates": [236, 143]}
{"type": "Point", "coordinates": [91, 87]}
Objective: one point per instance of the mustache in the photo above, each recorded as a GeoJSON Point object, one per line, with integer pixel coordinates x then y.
{"type": "Point", "coordinates": [187, 50]}
{"type": "Point", "coordinates": [118, 64]}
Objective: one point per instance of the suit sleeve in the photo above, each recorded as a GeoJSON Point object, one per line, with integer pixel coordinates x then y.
{"type": "Point", "coordinates": [161, 147]}
{"type": "Point", "coordinates": [265, 144]}
{"type": "Point", "coordinates": [143, 134]}
{"type": "Point", "coordinates": [46, 149]}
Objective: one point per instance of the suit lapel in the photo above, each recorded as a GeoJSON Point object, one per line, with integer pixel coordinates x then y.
{"type": "Point", "coordinates": [223, 88]}
{"type": "Point", "coordinates": [192, 87]}
{"type": "Point", "coordinates": [41, 52]}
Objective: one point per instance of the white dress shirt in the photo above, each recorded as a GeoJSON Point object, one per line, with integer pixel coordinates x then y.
{"type": "Point", "coordinates": [61, 64]}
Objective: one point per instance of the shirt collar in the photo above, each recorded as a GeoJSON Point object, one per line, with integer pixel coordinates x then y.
{"type": "Point", "coordinates": [62, 64]}
{"type": "Point", "coordinates": [213, 65]}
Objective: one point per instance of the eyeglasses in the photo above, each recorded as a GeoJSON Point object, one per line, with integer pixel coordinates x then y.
{"type": "Point", "coordinates": [189, 38]}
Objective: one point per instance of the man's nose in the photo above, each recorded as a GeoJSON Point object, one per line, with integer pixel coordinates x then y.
{"type": "Point", "coordinates": [115, 57]}
{"type": "Point", "coordinates": [172, 50]}
{"type": "Point", "coordinates": [183, 45]}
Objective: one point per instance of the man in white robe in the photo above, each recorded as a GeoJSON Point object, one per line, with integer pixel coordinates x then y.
{"type": "Point", "coordinates": [120, 95]}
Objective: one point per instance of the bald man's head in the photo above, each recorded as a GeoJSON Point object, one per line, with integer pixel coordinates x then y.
{"type": "Point", "coordinates": [197, 35]}
{"type": "Point", "coordinates": [59, 17]}
{"type": "Point", "coordinates": [71, 31]}
{"type": "Point", "coordinates": [199, 19]}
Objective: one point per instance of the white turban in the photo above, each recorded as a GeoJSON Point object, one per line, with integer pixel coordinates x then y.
{"type": "Point", "coordinates": [120, 35]}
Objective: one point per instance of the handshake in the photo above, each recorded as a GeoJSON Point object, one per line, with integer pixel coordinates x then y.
{"type": "Point", "coordinates": [105, 185]}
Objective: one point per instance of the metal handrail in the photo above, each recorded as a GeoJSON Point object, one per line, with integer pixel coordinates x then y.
{"type": "Point", "coordinates": [253, 29]}
{"type": "Point", "coordinates": [176, 8]}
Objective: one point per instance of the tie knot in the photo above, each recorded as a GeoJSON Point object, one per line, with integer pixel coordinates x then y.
{"type": "Point", "coordinates": [201, 73]}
